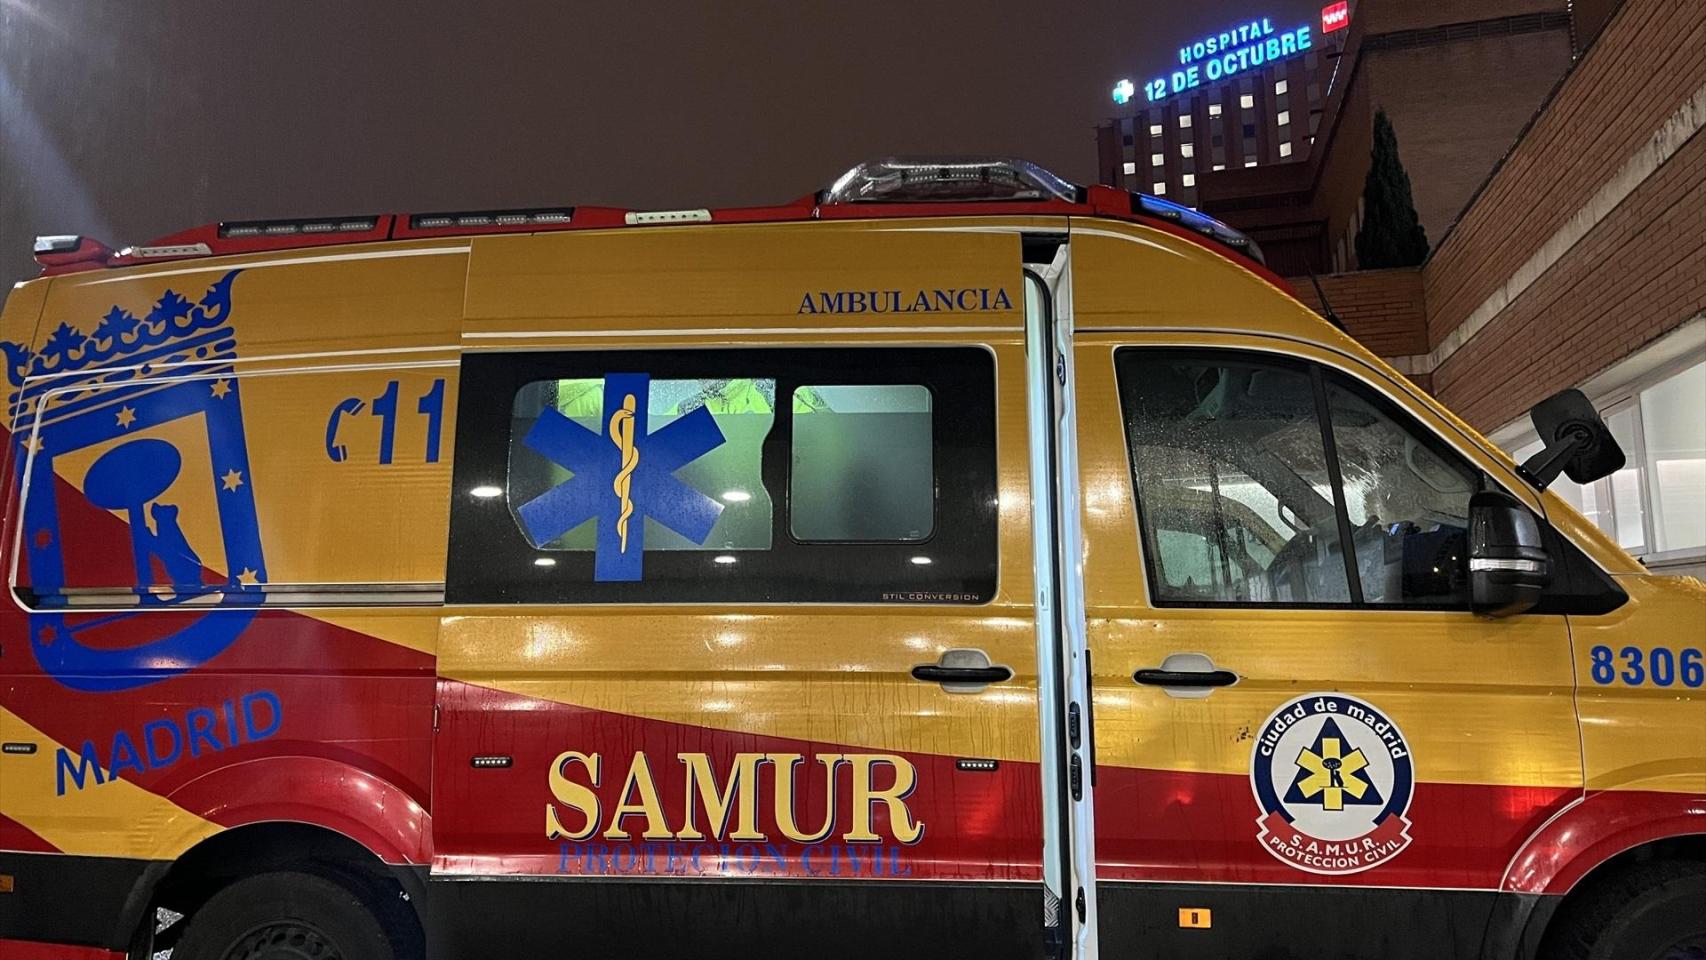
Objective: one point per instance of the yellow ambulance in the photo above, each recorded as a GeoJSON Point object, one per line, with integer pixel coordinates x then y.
{"type": "Point", "coordinates": [954, 562]}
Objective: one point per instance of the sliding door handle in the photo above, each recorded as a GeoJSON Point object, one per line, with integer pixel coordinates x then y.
{"type": "Point", "coordinates": [962, 671]}
{"type": "Point", "coordinates": [934, 674]}
{"type": "Point", "coordinates": [1189, 675]}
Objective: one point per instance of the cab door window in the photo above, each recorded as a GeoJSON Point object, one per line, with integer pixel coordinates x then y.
{"type": "Point", "coordinates": [1233, 480]}
{"type": "Point", "coordinates": [1407, 499]}
{"type": "Point", "coordinates": [1266, 481]}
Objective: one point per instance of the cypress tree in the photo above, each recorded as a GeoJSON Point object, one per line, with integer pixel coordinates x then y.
{"type": "Point", "coordinates": [1391, 233]}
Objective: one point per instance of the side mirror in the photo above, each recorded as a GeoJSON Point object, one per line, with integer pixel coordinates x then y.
{"type": "Point", "coordinates": [1577, 441]}
{"type": "Point", "coordinates": [1508, 567]}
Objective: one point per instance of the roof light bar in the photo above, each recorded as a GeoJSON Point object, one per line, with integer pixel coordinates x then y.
{"type": "Point", "coordinates": [1197, 223]}
{"type": "Point", "coordinates": [491, 218]}
{"type": "Point", "coordinates": [287, 228]}
{"type": "Point", "coordinates": [948, 180]}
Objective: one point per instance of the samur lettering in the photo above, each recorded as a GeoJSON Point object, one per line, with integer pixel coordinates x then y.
{"type": "Point", "coordinates": [724, 804]}
{"type": "Point", "coordinates": [163, 742]}
{"type": "Point", "coordinates": [941, 300]}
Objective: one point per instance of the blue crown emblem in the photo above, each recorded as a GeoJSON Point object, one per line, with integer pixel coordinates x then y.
{"type": "Point", "coordinates": [173, 331]}
{"type": "Point", "coordinates": [105, 392]}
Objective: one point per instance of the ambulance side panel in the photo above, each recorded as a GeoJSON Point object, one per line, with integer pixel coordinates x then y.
{"type": "Point", "coordinates": [231, 550]}
{"type": "Point", "coordinates": [719, 747]}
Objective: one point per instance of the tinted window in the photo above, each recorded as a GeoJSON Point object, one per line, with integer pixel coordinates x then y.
{"type": "Point", "coordinates": [862, 466]}
{"type": "Point", "coordinates": [673, 476]}
{"type": "Point", "coordinates": [743, 410]}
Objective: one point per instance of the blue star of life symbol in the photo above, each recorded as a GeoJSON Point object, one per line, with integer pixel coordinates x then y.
{"type": "Point", "coordinates": [621, 476]}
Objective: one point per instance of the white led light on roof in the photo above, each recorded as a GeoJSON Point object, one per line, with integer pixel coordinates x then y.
{"type": "Point", "coordinates": [666, 216]}
{"type": "Point", "coordinates": [167, 250]}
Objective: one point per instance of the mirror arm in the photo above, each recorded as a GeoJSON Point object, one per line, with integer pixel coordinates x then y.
{"type": "Point", "coordinates": [1545, 466]}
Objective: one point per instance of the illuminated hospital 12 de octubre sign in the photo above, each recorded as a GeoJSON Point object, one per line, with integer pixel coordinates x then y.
{"type": "Point", "coordinates": [1222, 55]}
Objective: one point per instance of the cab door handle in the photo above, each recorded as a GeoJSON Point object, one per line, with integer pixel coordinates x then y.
{"type": "Point", "coordinates": [1185, 678]}
{"type": "Point", "coordinates": [1186, 675]}
{"type": "Point", "coordinates": [962, 671]}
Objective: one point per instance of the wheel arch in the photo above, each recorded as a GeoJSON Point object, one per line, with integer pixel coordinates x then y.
{"type": "Point", "coordinates": [1599, 829]}
{"type": "Point", "coordinates": [251, 849]}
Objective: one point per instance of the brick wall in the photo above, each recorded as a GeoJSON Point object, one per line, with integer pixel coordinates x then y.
{"type": "Point", "coordinates": [1637, 273]}
{"type": "Point", "coordinates": [1386, 16]}
{"type": "Point", "coordinates": [1641, 272]}
{"type": "Point", "coordinates": [1457, 107]}
{"type": "Point", "coordinates": [1383, 309]}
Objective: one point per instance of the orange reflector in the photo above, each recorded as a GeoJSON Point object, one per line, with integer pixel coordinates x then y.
{"type": "Point", "coordinates": [5, 883]}
{"type": "Point", "coordinates": [1196, 918]}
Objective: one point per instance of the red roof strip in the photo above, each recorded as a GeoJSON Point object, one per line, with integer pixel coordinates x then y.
{"type": "Point", "coordinates": [1100, 201]}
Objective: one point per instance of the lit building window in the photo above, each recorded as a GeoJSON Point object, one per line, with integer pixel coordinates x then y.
{"type": "Point", "coordinates": [1653, 506]}
{"type": "Point", "coordinates": [1188, 180]}
{"type": "Point", "coordinates": [1247, 101]}
{"type": "Point", "coordinates": [1214, 109]}
{"type": "Point", "coordinates": [1249, 163]}
{"type": "Point", "coordinates": [1155, 159]}
{"type": "Point", "coordinates": [1279, 87]}
{"type": "Point", "coordinates": [1285, 149]}
{"type": "Point", "coordinates": [1220, 166]}
{"type": "Point", "coordinates": [1130, 167]}
{"type": "Point", "coordinates": [1187, 150]}
{"type": "Point", "coordinates": [1284, 117]}
{"type": "Point", "coordinates": [1155, 129]}
{"type": "Point", "coordinates": [1160, 188]}
{"type": "Point", "coordinates": [1184, 120]}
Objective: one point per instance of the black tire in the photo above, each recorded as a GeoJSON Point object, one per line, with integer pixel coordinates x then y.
{"type": "Point", "coordinates": [290, 915]}
{"type": "Point", "coordinates": [1649, 911]}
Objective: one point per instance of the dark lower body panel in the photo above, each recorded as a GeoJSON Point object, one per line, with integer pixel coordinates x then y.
{"type": "Point", "coordinates": [1317, 922]}
{"type": "Point", "coordinates": [716, 920]}
{"type": "Point", "coordinates": [98, 902]}
{"type": "Point", "coordinates": [82, 901]}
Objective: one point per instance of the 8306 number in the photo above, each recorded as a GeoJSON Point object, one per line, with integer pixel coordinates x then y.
{"type": "Point", "coordinates": [1660, 666]}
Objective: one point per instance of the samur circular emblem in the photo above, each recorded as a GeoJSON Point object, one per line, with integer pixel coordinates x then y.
{"type": "Point", "coordinates": [1333, 777]}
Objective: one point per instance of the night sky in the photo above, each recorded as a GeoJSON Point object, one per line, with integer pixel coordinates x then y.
{"type": "Point", "coordinates": [129, 120]}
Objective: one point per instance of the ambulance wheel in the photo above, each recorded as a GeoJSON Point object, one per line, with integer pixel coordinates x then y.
{"type": "Point", "coordinates": [1651, 911]}
{"type": "Point", "coordinates": [291, 916]}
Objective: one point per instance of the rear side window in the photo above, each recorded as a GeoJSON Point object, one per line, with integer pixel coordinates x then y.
{"type": "Point", "coordinates": [738, 475]}
{"type": "Point", "coordinates": [741, 408]}
{"type": "Point", "coordinates": [863, 464]}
